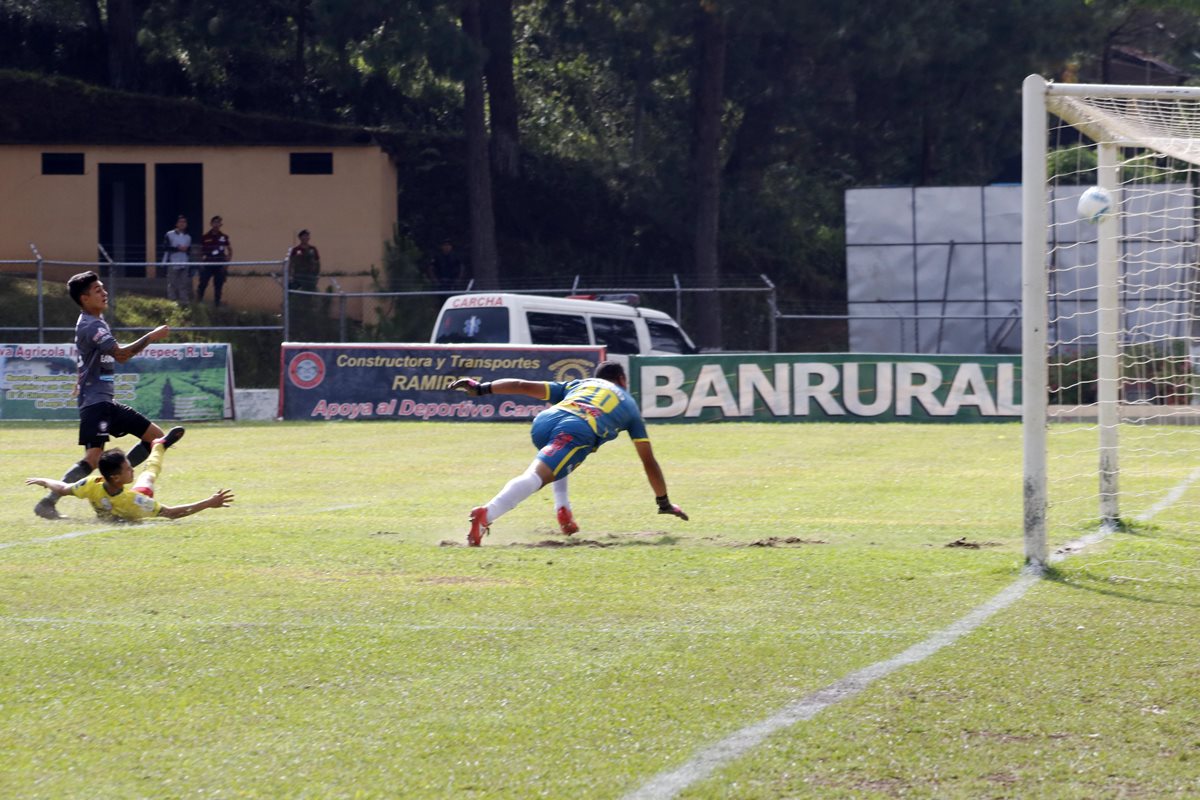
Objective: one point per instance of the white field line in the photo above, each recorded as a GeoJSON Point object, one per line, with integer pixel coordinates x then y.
{"type": "Point", "coordinates": [61, 536]}
{"type": "Point", "coordinates": [90, 531]}
{"type": "Point", "coordinates": [670, 783]}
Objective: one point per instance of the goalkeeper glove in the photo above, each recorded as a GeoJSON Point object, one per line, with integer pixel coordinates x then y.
{"type": "Point", "coordinates": [472, 386]}
{"type": "Point", "coordinates": [665, 506]}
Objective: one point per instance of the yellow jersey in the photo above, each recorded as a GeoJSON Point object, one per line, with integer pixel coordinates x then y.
{"type": "Point", "coordinates": [127, 505]}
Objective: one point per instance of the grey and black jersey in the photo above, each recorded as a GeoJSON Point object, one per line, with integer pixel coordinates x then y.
{"type": "Point", "coordinates": [94, 344]}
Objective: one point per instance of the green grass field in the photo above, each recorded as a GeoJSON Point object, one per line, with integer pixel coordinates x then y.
{"type": "Point", "coordinates": [330, 636]}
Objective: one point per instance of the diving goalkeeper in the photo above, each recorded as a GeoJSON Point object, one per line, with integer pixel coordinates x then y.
{"type": "Point", "coordinates": [587, 413]}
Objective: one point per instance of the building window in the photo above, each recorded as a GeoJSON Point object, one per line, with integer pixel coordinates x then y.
{"type": "Point", "coordinates": [62, 163]}
{"type": "Point", "coordinates": [312, 163]}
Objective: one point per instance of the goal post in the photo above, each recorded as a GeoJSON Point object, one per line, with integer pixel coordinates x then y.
{"type": "Point", "coordinates": [1109, 320]}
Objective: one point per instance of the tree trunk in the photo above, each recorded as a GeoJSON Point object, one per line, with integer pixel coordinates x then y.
{"type": "Point", "coordinates": [709, 94]}
{"type": "Point", "coordinates": [122, 45]}
{"type": "Point", "coordinates": [484, 261]}
{"type": "Point", "coordinates": [497, 33]}
{"type": "Point", "coordinates": [299, 67]}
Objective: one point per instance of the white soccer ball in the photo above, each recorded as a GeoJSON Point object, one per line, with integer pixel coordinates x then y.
{"type": "Point", "coordinates": [1094, 204]}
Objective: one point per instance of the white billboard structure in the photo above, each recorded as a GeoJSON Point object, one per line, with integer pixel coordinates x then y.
{"type": "Point", "coordinates": [938, 269]}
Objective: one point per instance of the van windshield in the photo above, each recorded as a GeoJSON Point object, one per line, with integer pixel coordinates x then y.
{"type": "Point", "coordinates": [667, 338]}
{"type": "Point", "coordinates": [473, 325]}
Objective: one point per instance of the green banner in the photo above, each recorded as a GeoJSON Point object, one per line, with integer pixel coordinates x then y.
{"type": "Point", "coordinates": [164, 381]}
{"type": "Point", "coordinates": [806, 387]}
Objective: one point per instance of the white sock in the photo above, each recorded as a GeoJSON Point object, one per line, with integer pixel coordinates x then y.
{"type": "Point", "coordinates": [561, 500]}
{"type": "Point", "coordinates": [512, 494]}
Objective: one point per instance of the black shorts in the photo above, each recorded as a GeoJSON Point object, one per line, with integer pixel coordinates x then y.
{"type": "Point", "coordinates": [99, 421]}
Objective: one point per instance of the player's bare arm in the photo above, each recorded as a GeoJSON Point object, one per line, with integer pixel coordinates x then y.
{"type": "Point", "coordinates": [535, 389]}
{"type": "Point", "coordinates": [658, 483]}
{"type": "Point", "coordinates": [123, 352]}
{"type": "Point", "coordinates": [58, 487]}
{"type": "Point", "coordinates": [221, 499]}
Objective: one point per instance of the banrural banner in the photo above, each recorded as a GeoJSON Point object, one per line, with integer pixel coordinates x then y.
{"type": "Point", "coordinates": [164, 382]}
{"type": "Point", "coordinates": [412, 381]}
{"type": "Point", "coordinates": [826, 388]}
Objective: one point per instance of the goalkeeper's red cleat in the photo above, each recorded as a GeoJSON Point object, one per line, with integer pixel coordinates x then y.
{"type": "Point", "coordinates": [479, 527]}
{"type": "Point", "coordinates": [566, 522]}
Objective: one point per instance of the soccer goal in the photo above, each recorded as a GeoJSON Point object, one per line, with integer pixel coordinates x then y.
{"type": "Point", "coordinates": [1110, 331]}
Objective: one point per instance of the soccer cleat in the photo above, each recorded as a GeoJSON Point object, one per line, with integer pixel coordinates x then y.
{"type": "Point", "coordinates": [566, 522]}
{"type": "Point", "coordinates": [173, 436]}
{"type": "Point", "coordinates": [46, 509]}
{"type": "Point", "coordinates": [479, 527]}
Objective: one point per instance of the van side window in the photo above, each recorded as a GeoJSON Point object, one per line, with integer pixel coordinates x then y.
{"type": "Point", "coordinates": [618, 335]}
{"type": "Point", "coordinates": [473, 325]}
{"type": "Point", "coordinates": [556, 328]}
{"type": "Point", "coordinates": [668, 338]}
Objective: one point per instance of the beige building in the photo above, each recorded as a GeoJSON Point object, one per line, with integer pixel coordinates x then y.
{"type": "Point", "coordinates": [71, 200]}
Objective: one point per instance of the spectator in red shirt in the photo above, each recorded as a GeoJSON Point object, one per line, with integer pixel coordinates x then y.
{"type": "Point", "coordinates": [216, 251]}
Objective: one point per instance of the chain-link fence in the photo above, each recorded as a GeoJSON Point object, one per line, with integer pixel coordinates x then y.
{"type": "Point", "coordinates": [262, 306]}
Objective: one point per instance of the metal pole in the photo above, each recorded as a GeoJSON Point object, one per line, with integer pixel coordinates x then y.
{"type": "Point", "coordinates": [1033, 318]}
{"type": "Point", "coordinates": [678, 298]}
{"type": "Point", "coordinates": [1108, 310]}
{"type": "Point", "coordinates": [41, 294]}
{"type": "Point", "coordinates": [337, 287]}
{"type": "Point", "coordinates": [286, 299]}
{"type": "Point", "coordinates": [773, 306]}
{"type": "Point", "coordinates": [112, 283]}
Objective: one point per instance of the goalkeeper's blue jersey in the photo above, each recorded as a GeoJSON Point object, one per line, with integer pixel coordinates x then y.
{"type": "Point", "coordinates": [604, 406]}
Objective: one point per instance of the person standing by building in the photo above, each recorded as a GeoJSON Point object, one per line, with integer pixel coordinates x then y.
{"type": "Point", "coordinates": [100, 416]}
{"type": "Point", "coordinates": [177, 258]}
{"type": "Point", "coordinates": [215, 251]}
{"type": "Point", "coordinates": [304, 264]}
{"type": "Point", "coordinates": [446, 268]}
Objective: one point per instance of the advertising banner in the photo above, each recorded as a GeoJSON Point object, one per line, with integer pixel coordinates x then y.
{"type": "Point", "coordinates": [777, 387]}
{"type": "Point", "coordinates": [164, 382]}
{"type": "Point", "coordinates": [412, 381]}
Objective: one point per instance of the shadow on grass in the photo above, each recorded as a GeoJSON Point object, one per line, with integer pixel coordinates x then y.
{"type": "Point", "coordinates": [1083, 581]}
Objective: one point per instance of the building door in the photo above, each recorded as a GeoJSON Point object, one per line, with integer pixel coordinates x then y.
{"type": "Point", "coordinates": [123, 214]}
{"type": "Point", "coordinates": [178, 189]}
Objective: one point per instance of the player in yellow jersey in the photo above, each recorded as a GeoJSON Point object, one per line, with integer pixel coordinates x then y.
{"type": "Point", "coordinates": [116, 496]}
{"type": "Point", "coordinates": [586, 414]}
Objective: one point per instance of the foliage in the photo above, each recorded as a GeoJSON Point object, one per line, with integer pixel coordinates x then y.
{"type": "Point", "coordinates": [819, 97]}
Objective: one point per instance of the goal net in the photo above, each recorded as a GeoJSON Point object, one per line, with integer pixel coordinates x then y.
{"type": "Point", "coordinates": [1110, 330]}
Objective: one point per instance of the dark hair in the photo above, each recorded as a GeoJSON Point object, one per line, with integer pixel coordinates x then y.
{"type": "Point", "coordinates": [217, 218]}
{"type": "Point", "coordinates": [111, 463]}
{"type": "Point", "coordinates": [610, 371]}
{"type": "Point", "coordinates": [303, 232]}
{"type": "Point", "coordinates": [81, 284]}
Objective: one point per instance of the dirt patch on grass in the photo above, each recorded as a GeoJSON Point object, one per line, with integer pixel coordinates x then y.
{"type": "Point", "coordinates": [783, 541]}
{"type": "Point", "coordinates": [964, 542]}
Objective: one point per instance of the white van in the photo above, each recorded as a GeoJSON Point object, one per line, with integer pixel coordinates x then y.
{"type": "Point", "coordinates": [501, 318]}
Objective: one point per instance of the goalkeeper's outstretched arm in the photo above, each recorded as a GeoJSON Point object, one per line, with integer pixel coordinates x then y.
{"type": "Point", "coordinates": [535, 389]}
{"type": "Point", "coordinates": [658, 483]}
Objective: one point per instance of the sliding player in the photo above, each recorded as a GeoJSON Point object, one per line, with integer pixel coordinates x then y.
{"type": "Point", "coordinates": [112, 496]}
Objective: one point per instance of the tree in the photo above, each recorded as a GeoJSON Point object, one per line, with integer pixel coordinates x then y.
{"type": "Point", "coordinates": [497, 38]}
{"type": "Point", "coordinates": [484, 260]}
{"type": "Point", "coordinates": [706, 160]}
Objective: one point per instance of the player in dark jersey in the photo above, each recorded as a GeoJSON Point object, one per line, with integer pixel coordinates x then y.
{"type": "Point", "coordinates": [586, 414]}
{"type": "Point", "coordinates": [100, 416]}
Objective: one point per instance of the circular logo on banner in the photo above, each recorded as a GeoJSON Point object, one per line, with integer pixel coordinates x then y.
{"type": "Point", "coordinates": [306, 370]}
